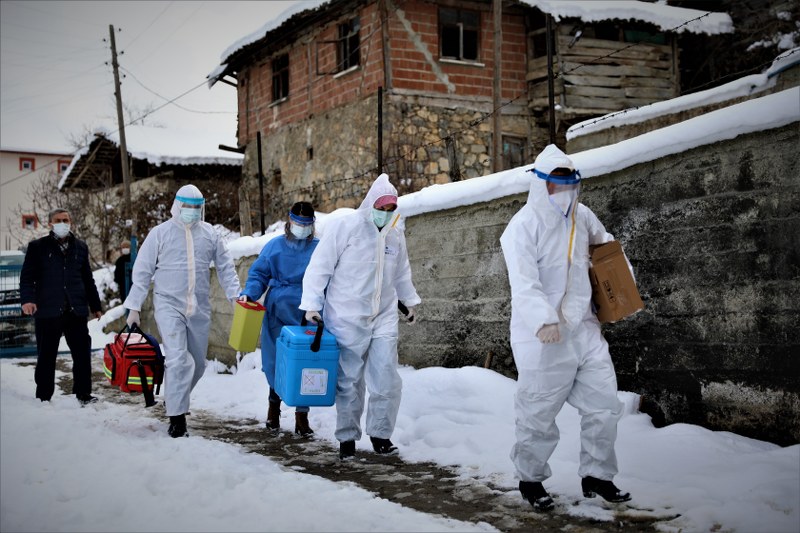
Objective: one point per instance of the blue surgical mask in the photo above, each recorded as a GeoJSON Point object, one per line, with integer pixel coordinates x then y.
{"type": "Point", "coordinates": [301, 232]}
{"type": "Point", "coordinates": [61, 229]}
{"type": "Point", "coordinates": [381, 217]}
{"type": "Point", "coordinates": [189, 215]}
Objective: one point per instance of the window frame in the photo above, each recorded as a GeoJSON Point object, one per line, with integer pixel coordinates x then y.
{"type": "Point", "coordinates": [63, 163]}
{"type": "Point", "coordinates": [280, 78]}
{"type": "Point", "coordinates": [348, 44]}
{"type": "Point", "coordinates": [460, 15]}
{"type": "Point", "coordinates": [31, 160]}
{"type": "Point", "coordinates": [30, 221]}
{"type": "Point", "coordinates": [517, 141]}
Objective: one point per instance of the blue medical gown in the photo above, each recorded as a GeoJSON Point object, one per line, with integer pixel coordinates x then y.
{"type": "Point", "coordinates": [280, 267]}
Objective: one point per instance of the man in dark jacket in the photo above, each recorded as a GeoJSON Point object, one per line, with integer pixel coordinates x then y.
{"type": "Point", "coordinates": [57, 288]}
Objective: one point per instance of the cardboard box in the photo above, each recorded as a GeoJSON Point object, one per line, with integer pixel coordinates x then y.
{"type": "Point", "coordinates": [614, 291]}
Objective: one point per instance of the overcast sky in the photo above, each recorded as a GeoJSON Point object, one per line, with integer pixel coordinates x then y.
{"type": "Point", "coordinates": [55, 83]}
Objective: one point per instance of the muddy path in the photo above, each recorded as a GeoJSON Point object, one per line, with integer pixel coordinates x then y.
{"type": "Point", "coordinates": [425, 487]}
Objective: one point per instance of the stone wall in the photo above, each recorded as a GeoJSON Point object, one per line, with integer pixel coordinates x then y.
{"type": "Point", "coordinates": [330, 159]}
{"type": "Point", "coordinates": [713, 235]}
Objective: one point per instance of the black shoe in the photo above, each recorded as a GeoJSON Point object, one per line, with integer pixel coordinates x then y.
{"type": "Point", "coordinates": [606, 489]}
{"type": "Point", "coordinates": [534, 492]}
{"type": "Point", "coordinates": [382, 445]}
{"type": "Point", "coordinates": [86, 399]}
{"type": "Point", "coordinates": [177, 426]}
{"type": "Point", "coordinates": [347, 449]}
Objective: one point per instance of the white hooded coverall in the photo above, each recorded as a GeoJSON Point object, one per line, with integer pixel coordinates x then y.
{"type": "Point", "coordinates": [177, 258]}
{"type": "Point", "coordinates": [365, 270]}
{"type": "Point", "coordinates": [550, 285]}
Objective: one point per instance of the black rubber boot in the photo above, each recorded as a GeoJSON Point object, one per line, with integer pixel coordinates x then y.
{"type": "Point", "coordinates": [274, 416]}
{"type": "Point", "coordinates": [382, 445]}
{"type": "Point", "coordinates": [534, 492]}
{"type": "Point", "coordinates": [301, 426]}
{"type": "Point", "coordinates": [606, 489]}
{"type": "Point", "coordinates": [177, 426]}
{"type": "Point", "coordinates": [347, 449]}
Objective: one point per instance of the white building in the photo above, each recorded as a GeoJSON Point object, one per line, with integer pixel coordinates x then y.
{"type": "Point", "coordinates": [19, 170]}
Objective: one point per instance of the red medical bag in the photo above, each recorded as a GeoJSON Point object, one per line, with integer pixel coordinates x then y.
{"type": "Point", "coordinates": [133, 362]}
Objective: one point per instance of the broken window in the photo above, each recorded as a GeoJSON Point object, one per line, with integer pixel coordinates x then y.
{"type": "Point", "coordinates": [280, 77]}
{"type": "Point", "coordinates": [459, 32]}
{"type": "Point", "coordinates": [348, 53]}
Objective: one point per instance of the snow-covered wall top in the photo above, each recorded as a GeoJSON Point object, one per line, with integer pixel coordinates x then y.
{"type": "Point", "coordinates": [167, 146]}
{"type": "Point", "coordinates": [768, 112]}
{"type": "Point", "coordinates": [664, 16]}
{"type": "Point", "coordinates": [742, 87]}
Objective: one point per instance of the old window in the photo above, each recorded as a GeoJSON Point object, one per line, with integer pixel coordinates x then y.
{"type": "Point", "coordinates": [513, 151]}
{"type": "Point", "coordinates": [27, 163]}
{"type": "Point", "coordinates": [348, 54]}
{"type": "Point", "coordinates": [459, 32]}
{"type": "Point", "coordinates": [280, 77]}
{"type": "Point", "coordinates": [30, 221]}
{"type": "Point", "coordinates": [63, 165]}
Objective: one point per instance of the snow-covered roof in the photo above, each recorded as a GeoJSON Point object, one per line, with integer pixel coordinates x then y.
{"type": "Point", "coordinates": [292, 10]}
{"type": "Point", "coordinates": [667, 18]}
{"type": "Point", "coordinates": [169, 146]}
{"type": "Point", "coordinates": [745, 86]}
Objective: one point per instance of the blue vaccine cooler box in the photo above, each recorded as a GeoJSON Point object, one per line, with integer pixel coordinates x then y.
{"type": "Point", "coordinates": [304, 377]}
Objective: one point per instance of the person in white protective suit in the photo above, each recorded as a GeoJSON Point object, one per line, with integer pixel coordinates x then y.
{"type": "Point", "coordinates": [357, 273]}
{"type": "Point", "coordinates": [177, 255]}
{"type": "Point", "coordinates": [559, 350]}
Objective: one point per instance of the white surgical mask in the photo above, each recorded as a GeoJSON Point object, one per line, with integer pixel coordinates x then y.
{"type": "Point", "coordinates": [563, 200]}
{"type": "Point", "coordinates": [126, 251]}
{"type": "Point", "coordinates": [301, 232]}
{"type": "Point", "coordinates": [61, 229]}
{"type": "Point", "coordinates": [189, 215]}
{"type": "Point", "coordinates": [381, 217]}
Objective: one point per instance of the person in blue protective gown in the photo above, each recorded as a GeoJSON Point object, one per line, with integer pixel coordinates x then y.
{"type": "Point", "coordinates": [176, 256]}
{"type": "Point", "coordinates": [279, 271]}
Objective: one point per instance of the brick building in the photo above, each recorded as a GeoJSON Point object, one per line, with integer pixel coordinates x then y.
{"type": "Point", "coordinates": [310, 83]}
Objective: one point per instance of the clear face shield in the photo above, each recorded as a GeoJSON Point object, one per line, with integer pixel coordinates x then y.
{"type": "Point", "coordinates": [563, 187]}
{"type": "Point", "coordinates": [191, 209]}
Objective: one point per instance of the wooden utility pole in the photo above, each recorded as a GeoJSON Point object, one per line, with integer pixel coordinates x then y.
{"type": "Point", "coordinates": [550, 87]}
{"type": "Point", "coordinates": [497, 160]}
{"type": "Point", "coordinates": [123, 146]}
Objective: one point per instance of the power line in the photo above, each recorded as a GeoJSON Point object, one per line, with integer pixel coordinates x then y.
{"type": "Point", "coordinates": [147, 28]}
{"type": "Point", "coordinates": [173, 103]}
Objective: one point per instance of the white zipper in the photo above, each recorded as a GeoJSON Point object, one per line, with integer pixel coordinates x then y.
{"type": "Point", "coordinates": [190, 265]}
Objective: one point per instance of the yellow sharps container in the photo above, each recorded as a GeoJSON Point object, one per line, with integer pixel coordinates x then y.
{"type": "Point", "coordinates": [246, 327]}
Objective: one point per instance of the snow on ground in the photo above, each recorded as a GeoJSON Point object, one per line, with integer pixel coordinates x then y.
{"type": "Point", "coordinates": [73, 459]}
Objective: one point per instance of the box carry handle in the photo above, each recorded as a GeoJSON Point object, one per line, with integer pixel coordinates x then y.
{"type": "Point", "coordinates": [315, 344]}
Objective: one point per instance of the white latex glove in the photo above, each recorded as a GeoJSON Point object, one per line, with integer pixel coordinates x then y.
{"type": "Point", "coordinates": [133, 318]}
{"type": "Point", "coordinates": [243, 298]}
{"type": "Point", "coordinates": [549, 334]}
{"type": "Point", "coordinates": [313, 316]}
{"type": "Point", "coordinates": [411, 317]}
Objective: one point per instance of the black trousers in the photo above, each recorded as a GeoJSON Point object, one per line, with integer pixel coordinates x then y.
{"type": "Point", "coordinates": [48, 335]}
